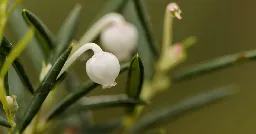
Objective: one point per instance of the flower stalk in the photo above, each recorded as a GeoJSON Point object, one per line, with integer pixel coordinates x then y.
{"type": "Point", "coordinates": [170, 57]}
{"type": "Point", "coordinates": [102, 67]}
{"type": "Point", "coordinates": [97, 27]}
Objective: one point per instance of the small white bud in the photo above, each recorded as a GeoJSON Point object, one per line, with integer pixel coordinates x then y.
{"type": "Point", "coordinates": [175, 10]}
{"type": "Point", "coordinates": [175, 55]}
{"type": "Point", "coordinates": [120, 39]}
{"type": "Point", "coordinates": [44, 71]}
{"type": "Point", "coordinates": [12, 103]}
{"type": "Point", "coordinates": [102, 67]}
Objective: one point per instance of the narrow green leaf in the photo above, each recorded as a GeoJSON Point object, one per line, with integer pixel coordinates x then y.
{"type": "Point", "coordinates": [18, 26]}
{"type": "Point", "coordinates": [17, 64]}
{"type": "Point", "coordinates": [4, 122]}
{"type": "Point", "coordinates": [6, 85]}
{"type": "Point", "coordinates": [188, 42]}
{"type": "Point", "coordinates": [135, 80]}
{"type": "Point", "coordinates": [59, 80]}
{"type": "Point", "coordinates": [96, 102]}
{"type": "Point", "coordinates": [74, 96]}
{"type": "Point", "coordinates": [166, 115]}
{"type": "Point", "coordinates": [146, 25]}
{"type": "Point", "coordinates": [103, 101]}
{"type": "Point", "coordinates": [143, 48]}
{"type": "Point", "coordinates": [43, 34]}
{"type": "Point", "coordinates": [71, 98]}
{"type": "Point", "coordinates": [67, 32]}
{"type": "Point", "coordinates": [6, 46]}
{"type": "Point", "coordinates": [15, 52]}
{"type": "Point", "coordinates": [213, 65]}
{"type": "Point", "coordinates": [44, 89]}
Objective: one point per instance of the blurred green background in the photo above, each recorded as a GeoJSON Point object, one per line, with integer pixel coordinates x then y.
{"type": "Point", "coordinates": [221, 27]}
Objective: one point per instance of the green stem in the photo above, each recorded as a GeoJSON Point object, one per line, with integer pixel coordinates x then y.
{"type": "Point", "coordinates": [16, 51]}
{"type": "Point", "coordinates": [167, 32]}
{"type": "Point", "coordinates": [159, 82]}
{"type": "Point", "coordinates": [3, 18]}
{"type": "Point", "coordinates": [9, 115]}
{"type": "Point", "coordinates": [97, 27]}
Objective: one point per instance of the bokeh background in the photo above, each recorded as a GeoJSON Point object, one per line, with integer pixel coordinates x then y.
{"type": "Point", "coordinates": [221, 27]}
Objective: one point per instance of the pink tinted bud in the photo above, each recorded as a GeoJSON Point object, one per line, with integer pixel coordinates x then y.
{"type": "Point", "coordinates": [175, 10]}
{"type": "Point", "coordinates": [177, 49]}
{"type": "Point", "coordinates": [173, 57]}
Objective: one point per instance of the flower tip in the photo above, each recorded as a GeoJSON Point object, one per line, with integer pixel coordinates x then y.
{"type": "Point", "coordinates": [178, 16]}
{"type": "Point", "coordinates": [108, 85]}
{"type": "Point", "coordinates": [175, 10]}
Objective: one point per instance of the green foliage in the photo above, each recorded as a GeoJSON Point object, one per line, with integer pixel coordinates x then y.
{"type": "Point", "coordinates": [44, 89]}
{"type": "Point", "coordinates": [101, 102]}
{"type": "Point", "coordinates": [74, 96]}
{"type": "Point", "coordinates": [17, 64]}
{"type": "Point", "coordinates": [66, 32]}
{"type": "Point", "coordinates": [166, 115]}
{"type": "Point", "coordinates": [144, 79]}
{"type": "Point", "coordinates": [145, 23]}
{"type": "Point", "coordinates": [43, 34]}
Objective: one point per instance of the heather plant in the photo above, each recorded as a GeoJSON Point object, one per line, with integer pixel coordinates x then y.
{"type": "Point", "coordinates": [118, 46]}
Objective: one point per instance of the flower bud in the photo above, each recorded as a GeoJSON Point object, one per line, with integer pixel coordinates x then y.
{"type": "Point", "coordinates": [175, 54]}
{"type": "Point", "coordinates": [12, 103]}
{"type": "Point", "coordinates": [120, 39]}
{"type": "Point", "coordinates": [44, 71]}
{"type": "Point", "coordinates": [103, 68]}
{"type": "Point", "coordinates": [175, 10]}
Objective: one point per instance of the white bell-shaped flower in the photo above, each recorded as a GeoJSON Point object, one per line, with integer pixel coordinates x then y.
{"type": "Point", "coordinates": [120, 39]}
{"type": "Point", "coordinates": [102, 67]}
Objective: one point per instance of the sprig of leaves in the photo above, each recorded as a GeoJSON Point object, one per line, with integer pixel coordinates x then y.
{"type": "Point", "coordinates": [44, 89]}
{"type": "Point", "coordinates": [166, 115]}
{"type": "Point", "coordinates": [213, 65]}
{"type": "Point", "coordinates": [74, 96]}
{"type": "Point", "coordinates": [6, 48]}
